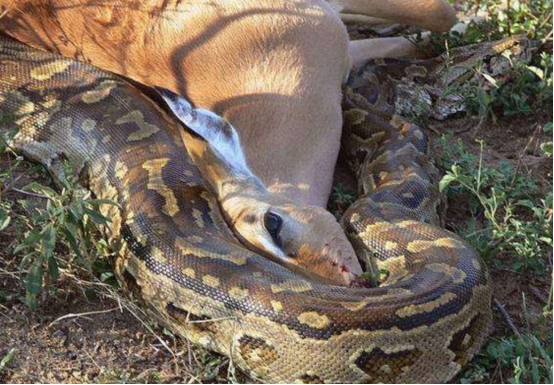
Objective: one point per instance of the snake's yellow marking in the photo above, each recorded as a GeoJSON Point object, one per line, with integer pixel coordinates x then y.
{"type": "Point", "coordinates": [102, 91]}
{"type": "Point", "coordinates": [355, 116]}
{"type": "Point", "coordinates": [314, 320]}
{"type": "Point", "coordinates": [390, 245]}
{"type": "Point", "coordinates": [391, 293]}
{"type": "Point", "coordinates": [419, 246]}
{"type": "Point", "coordinates": [189, 272]}
{"type": "Point", "coordinates": [276, 305]}
{"type": "Point", "coordinates": [88, 125]}
{"type": "Point", "coordinates": [210, 280]}
{"type": "Point", "coordinates": [26, 108]}
{"type": "Point", "coordinates": [47, 71]}
{"type": "Point", "coordinates": [238, 293]}
{"type": "Point", "coordinates": [408, 223]}
{"type": "Point", "coordinates": [458, 275]}
{"type": "Point", "coordinates": [197, 215]}
{"type": "Point", "coordinates": [195, 239]}
{"type": "Point", "coordinates": [158, 256]}
{"type": "Point", "coordinates": [296, 286]}
{"type": "Point", "coordinates": [185, 248]}
{"type": "Point", "coordinates": [356, 306]}
{"type": "Point", "coordinates": [121, 170]}
{"type": "Point", "coordinates": [145, 129]}
{"type": "Point", "coordinates": [355, 217]}
{"type": "Point", "coordinates": [416, 70]}
{"type": "Point", "coordinates": [396, 265]}
{"type": "Point", "coordinates": [377, 228]}
{"type": "Point", "coordinates": [156, 183]}
{"type": "Point", "coordinates": [52, 104]}
{"type": "Point", "coordinates": [426, 307]}
{"type": "Point", "coordinates": [385, 369]}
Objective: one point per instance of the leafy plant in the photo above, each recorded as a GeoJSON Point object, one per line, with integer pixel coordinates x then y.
{"type": "Point", "coordinates": [546, 147]}
{"type": "Point", "coordinates": [508, 219]}
{"type": "Point", "coordinates": [69, 219]}
{"type": "Point", "coordinates": [341, 197]}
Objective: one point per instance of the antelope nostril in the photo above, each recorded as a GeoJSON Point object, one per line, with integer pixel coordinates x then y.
{"type": "Point", "coordinates": [344, 269]}
{"type": "Point", "coordinates": [334, 264]}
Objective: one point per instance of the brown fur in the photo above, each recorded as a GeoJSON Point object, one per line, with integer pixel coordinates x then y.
{"type": "Point", "coordinates": [273, 68]}
{"type": "Point", "coordinates": [261, 64]}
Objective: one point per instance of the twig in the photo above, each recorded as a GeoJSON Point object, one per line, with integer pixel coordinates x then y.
{"type": "Point", "coordinates": [538, 294]}
{"type": "Point", "coordinates": [7, 359]}
{"type": "Point", "coordinates": [73, 315]}
{"type": "Point", "coordinates": [5, 315]}
{"type": "Point", "coordinates": [520, 158]}
{"type": "Point", "coordinates": [93, 361]}
{"type": "Point", "coordinates": [164, 344]}
{"type": "Point", "coordinates": [507, 318]}
{"type": "Point", "coordinates": [29, 193]}
{"type": "Point", "coordinates": [509, 18]}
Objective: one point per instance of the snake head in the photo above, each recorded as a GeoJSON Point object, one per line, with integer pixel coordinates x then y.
{"type": "Point", "coordinates": [303, 238]}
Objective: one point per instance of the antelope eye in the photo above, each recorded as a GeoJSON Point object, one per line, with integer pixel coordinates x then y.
{"type": "Point", "coordinates": [273, 223]}
{"type": "Point", "coordinates": [487, 59]}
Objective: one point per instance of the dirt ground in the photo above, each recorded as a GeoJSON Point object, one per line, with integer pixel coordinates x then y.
{"type": "Point", "coordinates": [90, 335]}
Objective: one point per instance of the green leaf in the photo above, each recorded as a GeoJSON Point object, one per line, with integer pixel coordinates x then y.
{"type": "Point", "coordinates": [4, 219]}
{"type": "Point", "coordinates": [7, 359]}
{"type": "Point", "coordinates": [69, 235]}
{"type": "Point", "coordinates": [29, 242]}
{"type": "Point", "coordinates": [537, 71]}
{"type": "Point", "coordinates": [96, 217]}
{"type": "Point", "coordinates": [53, 270]}
{"type": "Point", "coordinates": [445, 181]}
{"type": "Point", "coordinates": [490, 79]}
{"type": "Point", "coordinates": [35, 277]}
{"type": "Point", "coordinates": [48, 240]}
{"type": "Point", "coordinates": [40, 189]}
{"type": "Point", "coordinates": [546, 148]}
{"type": "Point", "coordinates": [98, 202]}
{"type": "Point", "coordinates": [106, 276]}
{"type": "Point", "coordinates": [31, 300]}
{"type": "Point", "coordinates": [76, 209]}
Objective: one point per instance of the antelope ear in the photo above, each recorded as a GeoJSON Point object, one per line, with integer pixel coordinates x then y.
{"type": "Point", "coordinates": [214, 147]}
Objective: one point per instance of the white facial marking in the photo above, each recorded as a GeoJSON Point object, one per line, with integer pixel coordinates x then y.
{"type": "Point", "coordinates": [269, 246]}
{"type": "Point", "coordinates": [216, 131]}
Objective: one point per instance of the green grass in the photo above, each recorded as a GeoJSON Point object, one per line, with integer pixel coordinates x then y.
{"type": "Point", "coordinates": [55, 222]}
{"type": "Point", "coordinates": [509, 216]}
{"type": "Point", "coordinates": [510, 225]}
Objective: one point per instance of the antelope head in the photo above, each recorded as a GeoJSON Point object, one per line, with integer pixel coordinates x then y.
{"type": "Point", "coordinates": [304, 238]}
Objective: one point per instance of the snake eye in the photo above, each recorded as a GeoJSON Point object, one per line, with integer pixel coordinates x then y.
{"type": "Point", "coordinates": [273, 223]}
{"type": "Point", "coordinates": [487, 59]}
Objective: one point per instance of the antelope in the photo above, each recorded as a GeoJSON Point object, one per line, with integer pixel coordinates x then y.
{"type": "Point", "coordinates": [273, 69]}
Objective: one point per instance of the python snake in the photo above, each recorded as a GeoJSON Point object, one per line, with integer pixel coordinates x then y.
{"type": "Point", "coordinates": [178, 258]}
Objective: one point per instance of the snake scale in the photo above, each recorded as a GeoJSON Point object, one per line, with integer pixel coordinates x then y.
{"type": "Point", "coordinates": [178, 258]}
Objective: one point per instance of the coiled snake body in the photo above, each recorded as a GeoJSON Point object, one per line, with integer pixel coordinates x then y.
{"type": "Point", "coordinates": [179, 259]}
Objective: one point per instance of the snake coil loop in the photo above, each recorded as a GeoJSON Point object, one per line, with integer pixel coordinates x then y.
{"type": "Point", "coordinates": [179, 259]}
